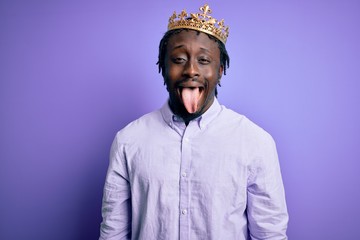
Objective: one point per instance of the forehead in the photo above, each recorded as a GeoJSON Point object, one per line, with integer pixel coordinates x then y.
{"type": "Point", "coordinates": [193, 40]}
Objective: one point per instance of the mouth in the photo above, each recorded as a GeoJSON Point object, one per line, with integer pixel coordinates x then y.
{"type": "Point", "coordinates": [191, 96]}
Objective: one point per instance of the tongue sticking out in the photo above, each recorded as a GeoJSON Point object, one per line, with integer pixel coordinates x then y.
{"type": "Point", "coordinates": [190, 98]}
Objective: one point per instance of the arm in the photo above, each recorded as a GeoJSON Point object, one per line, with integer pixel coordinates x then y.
{"type": "Point", "coordinates": [266, 207]}
{"type": "Point", "coordinates": [116, 205]}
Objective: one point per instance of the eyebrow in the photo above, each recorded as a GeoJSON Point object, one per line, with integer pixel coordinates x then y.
{"type": "Point", "coordinates": [205, 49]}
{"type": "Point", "coordinates": [177, 47]}
{"type": "Point", "coordinates": [181, 45]}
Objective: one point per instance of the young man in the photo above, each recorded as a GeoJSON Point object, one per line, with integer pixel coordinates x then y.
{"type": "Point", "coordinates": [193, 169]}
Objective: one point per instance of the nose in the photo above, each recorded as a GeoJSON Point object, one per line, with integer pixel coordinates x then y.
{"type": "Point", "coordinates": [191, 69]}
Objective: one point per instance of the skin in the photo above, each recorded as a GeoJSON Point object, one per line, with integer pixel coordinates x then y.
{"type": "Point", "coordinates": [192, 60]}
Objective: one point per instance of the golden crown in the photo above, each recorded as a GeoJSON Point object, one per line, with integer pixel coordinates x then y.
{"type": "Point", "coordinates": [200, 22]}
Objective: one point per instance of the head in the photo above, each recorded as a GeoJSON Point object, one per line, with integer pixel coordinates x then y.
{"type": "Point", "coordinates": [192, 64]}
{"type": "Point", "coordinates": [192, 59]}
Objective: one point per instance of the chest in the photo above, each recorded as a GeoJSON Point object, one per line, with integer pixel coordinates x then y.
{"type": "Point", "coordinates": [200, 158]}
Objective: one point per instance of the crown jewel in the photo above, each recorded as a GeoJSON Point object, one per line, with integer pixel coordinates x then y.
{"type": "Point", "coordinates": [200, 22]}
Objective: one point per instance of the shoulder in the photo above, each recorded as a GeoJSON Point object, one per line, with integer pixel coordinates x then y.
{"type": "Point", "coordinates": [257, 144]}
{"type": "Point", "coordinates": [147, 123]}
{"type": "Point", "coordinates": [244, 127]}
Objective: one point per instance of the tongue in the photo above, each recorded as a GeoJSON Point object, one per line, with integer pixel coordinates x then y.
{"type": "Point", "coordinates": [190, 98]}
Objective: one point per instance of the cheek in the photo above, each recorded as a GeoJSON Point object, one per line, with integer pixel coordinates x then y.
{"type": "Point", "coordinates": [169, 79]}
{"type": "Point", "coordinates": [212, 75]}
{"type": "Point", "coordinates": [173, 73]}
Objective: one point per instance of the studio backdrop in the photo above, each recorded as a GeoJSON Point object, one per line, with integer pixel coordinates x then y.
{"type": "Point", "coordinates": [73, 73]}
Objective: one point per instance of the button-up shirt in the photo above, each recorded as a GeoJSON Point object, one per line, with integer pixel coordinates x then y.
{"type": "Point", "coordinates": [216, 178]}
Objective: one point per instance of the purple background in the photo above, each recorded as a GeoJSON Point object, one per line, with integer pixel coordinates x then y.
{"type": "Point", "coordinates": [73, 73]}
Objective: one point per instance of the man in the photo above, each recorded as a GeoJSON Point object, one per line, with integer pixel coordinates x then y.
{"type": "Point", "coordinates": [193, 169]}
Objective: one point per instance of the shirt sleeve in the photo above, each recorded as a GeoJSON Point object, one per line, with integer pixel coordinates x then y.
{"type": "Point", "coordinates": [266, 205]}
{"type": "Point", "coordinates": [116, 203]}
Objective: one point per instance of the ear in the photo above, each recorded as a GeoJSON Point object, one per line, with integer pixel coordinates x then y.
{"type": "Point", "coordinates": [221, 70]}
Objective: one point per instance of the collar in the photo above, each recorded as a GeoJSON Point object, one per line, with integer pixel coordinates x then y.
{"type": "Point", "coordinates": [171, 119]}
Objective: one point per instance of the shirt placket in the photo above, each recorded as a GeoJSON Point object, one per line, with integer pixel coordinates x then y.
{"type": "Point", "coordinates": [185, 183]}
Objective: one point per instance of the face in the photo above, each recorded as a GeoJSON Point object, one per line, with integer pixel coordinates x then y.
{"type": "Point", "coordinates": [192, 71]}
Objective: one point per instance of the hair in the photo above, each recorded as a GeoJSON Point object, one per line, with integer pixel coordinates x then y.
{"type": "Point", "coordinates": [224, 57]}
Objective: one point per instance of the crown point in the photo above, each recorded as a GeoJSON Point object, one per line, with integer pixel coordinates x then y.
{"type": "Point", "coordinates": [205, 9]}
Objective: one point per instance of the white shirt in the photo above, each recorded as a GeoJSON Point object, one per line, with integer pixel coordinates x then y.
{"type": "Point", "coordinates": [217, 178]}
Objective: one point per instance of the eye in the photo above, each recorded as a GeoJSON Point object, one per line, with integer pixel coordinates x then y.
{"type": "Point", "coordinates": [204, 60]}
{"type": "Point", "coordinates": [178, 60]}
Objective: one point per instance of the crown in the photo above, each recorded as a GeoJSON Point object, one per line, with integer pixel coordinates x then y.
{"type": "Point", "coordinates": [200, 22]}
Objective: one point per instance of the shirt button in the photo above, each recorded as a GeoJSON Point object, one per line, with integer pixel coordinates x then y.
{"type": "Point", "coordinates": [184, 212]}
{"type": "Point", "coordinates": [183, 174]}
